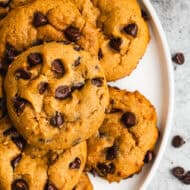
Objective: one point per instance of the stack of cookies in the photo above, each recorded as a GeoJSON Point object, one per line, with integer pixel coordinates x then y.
{"type": "Point", "coordinates": [59, 117]}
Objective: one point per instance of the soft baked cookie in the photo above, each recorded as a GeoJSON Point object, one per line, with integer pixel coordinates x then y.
{"type": "Point", "coordinates": [127, 134]}
{"type": "Point", "coordinates": [48, 20]}
{"type": "Point", "coordinates": [84, 183]}
{"type": "Point", "coordinates": [57, 95]}
{"type": "Point", "coordinates": [123, 38]}
{"type": "Point", "coordinates": [23, 167]}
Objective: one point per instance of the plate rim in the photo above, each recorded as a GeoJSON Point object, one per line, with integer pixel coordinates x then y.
{"type": "Point", "coordinates": [171, 92]}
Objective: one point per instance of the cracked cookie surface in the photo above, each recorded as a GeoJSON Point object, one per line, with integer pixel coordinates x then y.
{"type": "Point", "coordinates": [57, 95]}
{"type": "Point", "coordinates": [25, 167]}
{"type": "Point", "coordinates": [128, 132]}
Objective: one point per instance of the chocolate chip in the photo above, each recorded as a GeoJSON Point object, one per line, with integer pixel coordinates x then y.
{"type": "Point", "coordinates": [75, 164]}
{"type": "Point", "coordinates": [131, 29]}
{"type": "Point", "coordinates": [37, 43]}
{"type": "Point", "coordinates": [177, 141]}
{"type": "Point", "coordinates": [77, 62]}
{"type": "Point", "coordinates": [10, 53]}
{"type": "Point", "coordinates": [144, 15]}
{"type": "Point", "coordinates": [72, 33]}
{"type": "Point", "coordinates": [111, 152]}
{"type": "Point", "coordinates": [93, 172]}
{"type": "Point", "coordinates": [178, 172]}
{"type": "Point", "coordinates": [115, 43]}
{"type": "Point", "coordinates": [57, 120]}
{"type": "Point", "coordinates": [58, 68]}
{"type": "Point", "coordinates": [128, 119]}
{"type": "Point", "coordinates": [19, 141]}
{"type": "Point", "coordinates": [43, 86]}
{"type": "Point", "coordinates": [3, 106]}
{"type": "Point", "coordinates": [78, 48]}
{"type": "Point", "coordinates": [111, 168]}
{"type": "Point", "coordinates": [16, 160]}
{"type": "Point", "coordinates": [149, 157]}
{"type": "Point", "coordinates": [106, 169]}
{"type": "Point", "coordinates": [11, 131]}
{"type": "Point", "coordinates": [39, 19]}
{"type": "Point", "coordinates": [19, 184]}
{"type": "Point", "coordinates": [186, 178]}
{"type": "Point", "coordinates": [49, 186]}
{"type": "Point", "coordinates": [115, 110]}
{"type": "Point", "coordinates": [179, 58]}
{"type": "Point", "coordinates": [100, 54]}
{"type": "Point", "coordinates": [22, 74]}
{"type": "Point", "coordinates": [34, 59]}
{"type": "Point", "coordinates": [62, 92]}
{"type": "Point", "coordinates": [98, 82]}
{"type": "Point", "coordinates": [78, 86]}
{"type": "Point", "coordinates": [2, 67]}
{"type": "Point", "coordinates": [4, 3]}
{"type": "Point", "coordinates": [19, 104]}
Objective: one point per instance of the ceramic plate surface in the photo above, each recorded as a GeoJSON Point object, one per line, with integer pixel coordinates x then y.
{"type": "Point", "coordinates": [154, 79]}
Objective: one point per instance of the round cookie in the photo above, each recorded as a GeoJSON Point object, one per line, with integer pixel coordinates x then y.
{"type": "Point", "coordinates": [57, 95]}
{"type": "Point", "coordinates": [84, 183]}
{"type": "Point", "coordinates": [123, 38]}
{"type": "Point", "coordinates": [28, 168]}
{"type": "Point", "coordinates": [127, 134]}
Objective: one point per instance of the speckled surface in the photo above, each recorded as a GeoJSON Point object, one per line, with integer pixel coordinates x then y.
{"type": "Point", "coordinates": [175, 18]}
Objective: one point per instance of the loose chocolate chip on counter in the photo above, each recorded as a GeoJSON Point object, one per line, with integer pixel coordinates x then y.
{"type": "Point", "coordinates": [10, 53]}
{"type": "Point", "coordinates": [100, 54]}
{"type": "Point", "coordinates": [58, 68]}
{"type": "Point", "coordinates": [19, 184]}
{"type": "Point", "coordinates": [144, 15]}
{"type": "Point", "coordinates": [63, 92]}
{"type": "Point", "coordinates": [115, 43]}
{"type": "Point", "coordinates": [77, 62]}
{"type": "Point", "coordinates": [131, 29]}
{"type": "Point", "coordinates": [186, 178]}
{"type": "Point", "coordinates": [11, 131]}
{"type": "Point", "coordinates": [128, 119]}
{"type": "Point", "coordinates": [19, 104]}
{"type": "Point", "coordinates": [111, 152]}
{"type": "Point", "coordinates": [149, 157]}
{"type": "Point", "coordinates": [98, 82]}
{"type": "Point", "coordinates": [22, 74]}
{"type": "Point", "coordinates": [178, 141]}
{"type": "Point", "coordinates": [78, 86]}
{"type": "Point", "coordinates": [178, 58]}
{"type": "Point", "coordinates": [39, 19]}
{"type": "Point", "coordinates": [75, 164]}
{"type": "Point", "coordinates": [49, 186]}
{"type": "Point", "coordinates": [178, 172]}
{"type": "Point", "coordinates": [34, 59]}
{"type": "Point", "coordinates": [16, 160]}
{"type": "Point", "coordinates": [4, 3]}
{"type": "Point", "coordinates": [57, 120]}
{"type": "Point", "coordinates": [72, 33]}
{"type": "Point", "coordinates": [43, 86]}
{"type": "Point", "coordinates": [19, 141]}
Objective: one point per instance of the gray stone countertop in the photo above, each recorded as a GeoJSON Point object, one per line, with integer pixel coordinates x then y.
{"type": "Point", "coordinates": [175, 18]}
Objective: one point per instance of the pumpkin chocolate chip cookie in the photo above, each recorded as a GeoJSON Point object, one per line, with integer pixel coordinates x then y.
{"type": "Point", "coordinates": [23, 167]}
{"type": "Point", "coordinates": [57, 95]}
{"type": "Point", "coordinates": [118, 150]}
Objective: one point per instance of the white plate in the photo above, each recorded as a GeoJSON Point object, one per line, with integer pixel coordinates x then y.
{"type": "Point", "coordinates": [153, 78]}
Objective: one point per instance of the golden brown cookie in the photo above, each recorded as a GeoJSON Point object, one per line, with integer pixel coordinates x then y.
{"type": "Point", "coordinates": [57, 95]}
{"type": "Point", "coordinates": [126, 136]}
{"type": "Point", "coordinates": [84, 183]}
{"type": "Point", "coordinates": [24, 167]}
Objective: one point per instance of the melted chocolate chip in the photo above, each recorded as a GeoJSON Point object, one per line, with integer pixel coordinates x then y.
{"type": "Point", "coordinates": [34, 59]}
{"type": "Point", "coordinates": [49, 186]}
{"type": "Point", "coordinates": [43, 86]}
{"type": "Point", "coordinates": [22, 74]}
{"type": "Point", "coordinates": [111, 168]}
{"type": "Point", "coordinates": [178, 141]}
{"type": "Point", "coordinates": [144, 15]}
{"type": "Point", "coordinates": [179, 58]}
{"type": "Point", "coordinates": [57, 120]}
{"type": "Point", "coordinates": [178, 172]}
{"type": "Point", "coordinates": [78, 48]}
{"type": "Point", "coordinates": [63, 92]}
{"type": "Point", "coordinates": [111, 152]}
{"type": "Point", "coordinates": [19, 141]}
{"type": "Point", "coordinates": [10, 53]}
{"type": "Point", "coordinates": [131, 29]}
{"type": "Point", "coordinates": [93, 172]}
{"type": "Point", "coordinates": [16, 160]}
{"type": "Point", "coordinates": [78, 86]}
{"type": "Point", "coordinates": [2, 67]}
{"type": "Point", "coordinates": [115, 43]}
{"type": "Point", "coordinates": [149, 157]}
{"type": "Point", "coordinates": [58, 68]}
{"type": "Point", "coordinates": [3, 106]}
{"type": "Point", "coordinates": [98, 82]}
{"type": "Point", "coordinates": [11, 131]}
{"type": "Point", "coordinates": [77, 62]}
{"type": "Point", "coordinates": [75, 164]}
{"type": "Point", "coordinates": [106, 169]}
{"type": "Point", "coordinates": [73, 34]}
{"type": "Point", "coordinates": [186, 178]}
{"type": "Point", "coordinates": [115, 110]}
{"type": "Point", "coordinates": [4, 3]}
{"type": "Point", "coordinates": [39, 19]}
{"type": "Point", "coordinates": [19, 104]}
{"type": "Point", "coordinates": [128, 119]}
{"type": "Point", "coordinates": [100, 54]}
{"type": "Point", "coordinates": [19, 184]}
